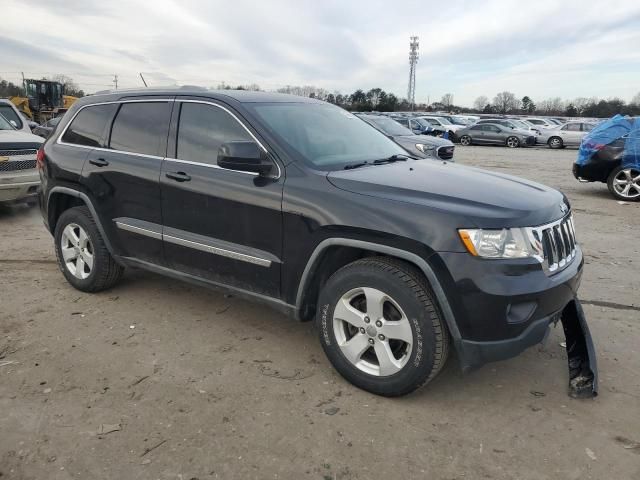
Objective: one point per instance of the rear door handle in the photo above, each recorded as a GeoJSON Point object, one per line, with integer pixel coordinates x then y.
{"type": "Point", "coordinates": [99, 162]}
{"type": "Point", "coordinates": [178, 176]}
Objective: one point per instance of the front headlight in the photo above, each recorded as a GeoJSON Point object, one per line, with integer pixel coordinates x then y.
{"type": "Point", "coordinates": [505, 243]}
{"type": "Point", "coordinates": [425, 148]}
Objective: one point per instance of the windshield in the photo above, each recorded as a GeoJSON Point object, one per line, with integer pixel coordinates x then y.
{"type": "Point", "coordinates": [324, 135]}
{"type": "Point", "coordinates": [389, 126]}
{"type": "Point", "coordinates": [4, 124]}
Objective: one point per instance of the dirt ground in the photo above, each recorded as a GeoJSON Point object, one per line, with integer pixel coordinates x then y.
{"type": "Point", "coordinates": [198, 385]}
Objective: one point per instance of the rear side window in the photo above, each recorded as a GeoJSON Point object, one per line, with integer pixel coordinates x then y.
{"type": "Point", "coordinates": [587, 127]}
{"type": "Point", "coordinates": [573, 127]}
{"type": "Point", "coordinates": [202, 129]}
{"type": "Point", "coordinates": [10, 114]}
{"type": "Point", "coordinates": [141, 127]}
{"type": "Point", "coordinates": [88, 128]}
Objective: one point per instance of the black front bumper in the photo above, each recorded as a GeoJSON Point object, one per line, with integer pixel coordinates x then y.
{"type": "Point", "coordinates": [504, 307]}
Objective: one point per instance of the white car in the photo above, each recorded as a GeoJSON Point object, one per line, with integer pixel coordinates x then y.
{"type": "Point", "coordinates": [440, 123]}
{"type": "Point", "coordinates": [540, 122]}
{"type": "Point", "coordinates": [11, 113]}
{"type": "Point", "coordinates": [19, 178]}
{"type": "Point", "coordinates": [569, 134]}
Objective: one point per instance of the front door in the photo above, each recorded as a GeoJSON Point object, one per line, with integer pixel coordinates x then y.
{"type": "Point", "coordinates": [222, 225]}
{"type": "Point", "coordinates": [123, 177]}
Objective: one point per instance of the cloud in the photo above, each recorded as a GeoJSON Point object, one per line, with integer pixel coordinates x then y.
{"type": "Point", "coordinates": [546, 49]}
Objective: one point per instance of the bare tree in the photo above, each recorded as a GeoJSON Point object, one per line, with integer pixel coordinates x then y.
{"type": "Point", "coordinates": [505, 102]}
{"type": "Point", "coordinates": [481, 102]}
{"type": "Point", "coordinates": [636, 99]}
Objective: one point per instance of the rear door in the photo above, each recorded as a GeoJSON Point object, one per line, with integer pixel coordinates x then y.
{"type": "Point", "coordinates": [477, 134]}
{"type": "Point", "coordinates": [571, 133]}
{"type": "Point", "coordinates": [219, 224]}
{"type": "Point", "coordinates": [123, 178]}
{"type": "Point", "coordinates": [493, 134]}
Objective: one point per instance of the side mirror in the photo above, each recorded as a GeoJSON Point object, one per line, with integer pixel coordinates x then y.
{"type": "Point", "coordinates": [245, 157]}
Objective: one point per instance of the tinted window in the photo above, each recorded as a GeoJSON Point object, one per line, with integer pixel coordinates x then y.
{"type": "Point", "coordinates": [536, 122]}
{"type": "Point", "coordinates": [573, 127]}
{"type": "Point", "coordinates": [202, 129]}
{"type": "Point", "coordinates": [477, 127]}
{"type": "Point", "coordinates": [141, 128]}
{"type": "Point", "coordinates": [10, 114]}
{"type": "Point", "coordinates": [88, 127]}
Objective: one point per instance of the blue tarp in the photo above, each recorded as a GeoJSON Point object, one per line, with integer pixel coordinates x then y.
{"type": "Point", "coordinates": [618, 128]}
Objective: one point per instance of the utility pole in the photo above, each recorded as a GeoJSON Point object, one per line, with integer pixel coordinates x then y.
{"type": "Point", "coordinates": [115, 81]}
{"type": "Point", "coordinates": [413, 59]}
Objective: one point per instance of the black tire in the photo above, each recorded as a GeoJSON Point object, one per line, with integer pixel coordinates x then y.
{"type": "Point", "coordinates": [105, 271]}
{"type": "Point", "coordinates": [410, 290]}
{"type": "Point", "coordinates": [634, 193]}
{"type": "Point", "coordinates": [465, 140]}
{"type": "Point", "coordinates": [555, 143]}
{"type": "Point", "coordinates": [512, 142]}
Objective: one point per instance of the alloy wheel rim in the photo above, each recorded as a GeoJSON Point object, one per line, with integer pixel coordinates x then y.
{"type": "Point", "coordinates": [555, 142]}
{"type": "Point", "coordinates": [372, 331]}
{"type": "Point", "coordinates": [465, 141]}
{"type": "Point", "coordinates": [627, 183]}
{"type": "Point", "coordinates": [77, 251]}
{"type": "Point", "coordinates": [512, 142]}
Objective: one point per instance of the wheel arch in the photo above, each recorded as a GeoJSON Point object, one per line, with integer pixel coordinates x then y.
{"type": "Point", "coordinates": [60, 199]}
{"type": "Point", "coordinates": [323, 264]}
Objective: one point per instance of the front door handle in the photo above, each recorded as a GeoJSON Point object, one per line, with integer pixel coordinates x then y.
{"type": "Point", "coordinates": [99, 162]}
{"type": "Point", "coordinates": [178, 176]}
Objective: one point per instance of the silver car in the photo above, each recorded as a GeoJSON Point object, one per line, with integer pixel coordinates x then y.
{"type": "Point", "coordinates": [569, 134]}
{"type": "Point", "coordinates": [19, 178]}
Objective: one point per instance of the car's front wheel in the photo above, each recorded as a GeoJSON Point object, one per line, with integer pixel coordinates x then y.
{"type": "Point", "coordinates": [380, 327]}
{"type": "Point", "coordinates": [555, 142]}
{"type": "Point", "coordinates": [624, 183]}
{"type": "Point", "coordinates": [465, 140]}
{"type": "Point", "coordinates": [82, 254]}
{"type": "Point", "coordinates": [513, 142]}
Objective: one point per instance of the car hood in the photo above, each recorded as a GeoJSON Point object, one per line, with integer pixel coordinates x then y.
{"type": "Point", "coordinates": [486, 199]}
{"type": "Point", "coordinates": [15, 139]}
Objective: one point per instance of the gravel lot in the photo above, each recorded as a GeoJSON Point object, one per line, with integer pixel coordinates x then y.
{"type": "Point", "coordinates": [199, 385]}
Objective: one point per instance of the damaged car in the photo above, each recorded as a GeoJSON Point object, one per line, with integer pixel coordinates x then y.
{"type": "Point", "coordinates": [610, 154]}
{"type": "Point", "coordinates": [298, 204]}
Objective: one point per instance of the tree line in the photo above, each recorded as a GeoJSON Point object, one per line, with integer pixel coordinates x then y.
{"type": "Point", "coordinates": [376, 99]}
{"type": "Point", "coordinates": [10, 89]}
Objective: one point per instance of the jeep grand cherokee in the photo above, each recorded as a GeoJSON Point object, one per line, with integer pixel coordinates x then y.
{"type": "Point", "coordinates": [297, 203]}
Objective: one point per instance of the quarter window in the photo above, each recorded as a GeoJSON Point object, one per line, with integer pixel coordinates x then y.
{"type": "Point", "coordinates": [141, 127]}
{"type": "Point", "coordinates": [202, 129]}
{"type": "Point", "coordinates": [89, 126]}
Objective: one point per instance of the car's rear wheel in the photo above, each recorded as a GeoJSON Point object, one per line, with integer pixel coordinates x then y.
{"type": "Point", "coordinates": [555, 142]}
{"type": "Point", "coordinates": [513, 142]}
{"type": "Point", "coordinates": [624, 183]}
{"type": "Point", "coordinates": [82, 254]}
{"type": "Point", "coordinates": [380, 326]}
{"type": "Point", "coordinates": [465, 140]}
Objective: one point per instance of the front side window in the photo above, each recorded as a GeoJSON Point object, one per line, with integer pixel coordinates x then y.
{"type": "Point", "coordinates": [477, 127]}
{"type": "Point", "coordinates": [325, 136]}
{"type": "Point", "coordinates": [202, 129]}
{"type": "Point", "coordinates": [587, 127]}
{"type": "Point", "coordinates": [141, 127]}
{"type": "Point", "coordinates": [88, 128]}
{"type": "Point", "coordinates": [10, 114]}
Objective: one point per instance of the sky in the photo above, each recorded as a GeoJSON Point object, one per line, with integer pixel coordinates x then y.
{"type": "Point", "coordinates": [542, 49]}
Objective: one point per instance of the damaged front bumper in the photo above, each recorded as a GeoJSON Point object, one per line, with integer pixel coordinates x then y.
{"type": "Point", "coordinates": [581, 357]}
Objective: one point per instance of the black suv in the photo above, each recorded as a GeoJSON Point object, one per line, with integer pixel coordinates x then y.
{"type": "Point", "coordinates": [297, 203]}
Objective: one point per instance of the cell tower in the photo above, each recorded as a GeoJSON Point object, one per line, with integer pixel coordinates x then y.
{"type": "Point", "coordinates": [413, 59]}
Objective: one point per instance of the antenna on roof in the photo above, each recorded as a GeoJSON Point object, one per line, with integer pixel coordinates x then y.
{"type": "Point", "coordinates": [143, 80]}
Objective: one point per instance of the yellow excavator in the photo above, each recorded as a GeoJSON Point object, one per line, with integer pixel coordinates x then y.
{"type": "Point", "coordinates": [44, 100]}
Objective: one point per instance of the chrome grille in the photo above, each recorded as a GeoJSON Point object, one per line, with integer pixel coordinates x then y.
{"type": "Point", "coordinates": [557, 242]}
{"type": "Point", "coordinates": [12, 166]}
{"type": "Point", "coordinates": [15, 153]}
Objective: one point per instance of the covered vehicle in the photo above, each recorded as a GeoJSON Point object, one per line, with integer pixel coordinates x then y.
{"type": "Point", "coordinates": [610, 153]}
{"type": "Point", "coordinates": [495, 134]}
{"type": "Point", "coordinates": [419, 145]}
{"type": "Point", "coordinates": [19, 179]}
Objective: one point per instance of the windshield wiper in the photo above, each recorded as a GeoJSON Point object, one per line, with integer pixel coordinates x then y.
{"type": "Point", "coordinates": [391, 159]}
